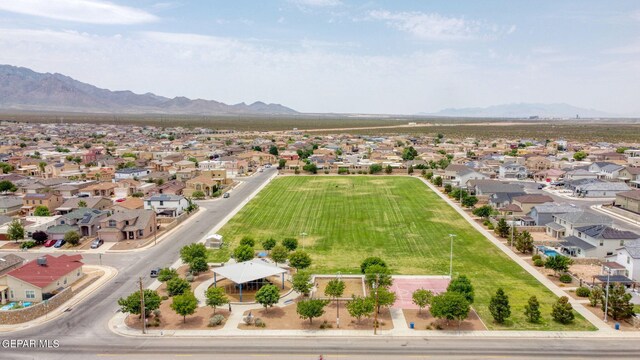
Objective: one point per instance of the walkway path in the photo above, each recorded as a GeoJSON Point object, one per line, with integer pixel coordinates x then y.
{"type": "Point", "coordinates": [591, 317]}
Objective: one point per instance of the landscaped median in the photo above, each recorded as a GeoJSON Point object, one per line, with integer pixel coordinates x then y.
{"type": "Point", "coordinates": [347, 218]}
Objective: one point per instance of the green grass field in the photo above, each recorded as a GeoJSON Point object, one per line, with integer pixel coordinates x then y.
{"type": "Point", "coordinates": [397, 218]}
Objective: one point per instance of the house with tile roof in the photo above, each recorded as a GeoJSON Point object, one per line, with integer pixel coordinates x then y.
{"type": "Point", "coordinates": [626, 261]}
{"type": "Point", "coordinates": [563, 224]}
{"type": "Point", "coordinates": [128, 225]}
{"type": "Point", "coordinates": [41, 278]}
{"type": "Point", "coordinates": [595, 241]}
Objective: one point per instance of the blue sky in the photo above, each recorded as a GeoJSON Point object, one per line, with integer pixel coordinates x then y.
{"type": "Point", "coordinates": [400, 57]}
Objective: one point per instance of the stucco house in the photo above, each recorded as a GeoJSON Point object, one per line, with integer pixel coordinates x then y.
{"type": "Point", "coordinates": [166, 204]}
{"type": "Point", "coordinates": [595, 241]}
{"type": "Point", "coordinates": [128, 225]}
{"type": "Point", "coordinates": [627, 257]}
{"type": "Point", "coordinates": [628, 200]}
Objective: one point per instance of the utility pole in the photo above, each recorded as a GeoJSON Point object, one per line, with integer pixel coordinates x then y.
{"type": "Point", "coordinates": [142, 311]}
{"type": "Point", "coordinates": [375, 309]}
{"type": "Point", "coordinates": [512, 228]}
{"type": "Point", "coordinates": [451, 236]}
{"type": "Point", "coordinates": [338, 304]}
{"type": "Point", "coordinates": [606, 298]}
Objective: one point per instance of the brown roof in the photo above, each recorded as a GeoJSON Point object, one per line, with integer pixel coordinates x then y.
{"type": "Point", "coordinates": [131, 203]}
{"type": "Point", "coordinates": [633, 194]}
{"type": "Point", "coordinates": [533, 199]}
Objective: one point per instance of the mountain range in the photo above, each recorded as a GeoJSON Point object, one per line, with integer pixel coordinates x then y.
{"type": "Point", "coordinates": [25, 89]}
{"type": "Point", "coordinates": [524, 110]}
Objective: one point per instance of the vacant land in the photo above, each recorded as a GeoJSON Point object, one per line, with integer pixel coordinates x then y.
{"type": "Point", "coordinates": [397, 218]}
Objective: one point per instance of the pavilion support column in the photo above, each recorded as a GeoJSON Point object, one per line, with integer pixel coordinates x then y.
{"type": "Point", "coordinates": [240, 292]}
{"type": "Point", "coordinates": [283, 280]}
{"type": "Point", "coordinates": [215, 281]}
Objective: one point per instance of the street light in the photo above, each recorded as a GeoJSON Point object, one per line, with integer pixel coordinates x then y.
{"type": "Point", "coordinates": [303, 235]}
{"type": "Point", "coordinates": [451, 236]}
{"type": "Point", "coordinates": [606, 298]}
{"type": "Point", "coordinates": [338, 303]}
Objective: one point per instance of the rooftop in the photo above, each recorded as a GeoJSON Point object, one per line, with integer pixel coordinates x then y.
{"type": "Point", "coordinates": [41, 276]}
{"type": "Point", "coordinates": [246, 271]}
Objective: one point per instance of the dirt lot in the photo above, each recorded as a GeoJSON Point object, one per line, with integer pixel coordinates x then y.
{"type": "Point", "coordinates": [424, 321]}
{"type": "Point", "coordinates": [352, 287]}
{"type": "Point", "coordinates": [132, 244]}
{"type": "Point", "coordinates": [249, 294]}
{"type": "Point", "coordinates": [286, 318]}
{"type": "Point", "coordinates": [624, 326]}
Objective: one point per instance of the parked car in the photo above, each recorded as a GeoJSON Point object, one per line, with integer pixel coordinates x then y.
{"type": "Point", "coordinates": [96, 243]}
{"type": "Point", "coordinates": [541, 186]}
{"type": "Point", "coordinates": [59, 243]}
{"type": "Point", "coordinates": [121, 200]}
{"type": "Point", "coordinates": [154, 272]}
{"type": "Point", "coordinates": [50, 243]}
{"type": "Point", "coordinates": [226, 195]}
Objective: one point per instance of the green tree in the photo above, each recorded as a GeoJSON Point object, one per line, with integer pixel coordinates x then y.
{"type": "Point", "coordinates": [620, 306]}
{"type": "Point", "coordinates": [167, 274]}
{"type": "Point", "coordinates": [192, 251]}
{"type": "Point", "coordinates": [385, 296]}
{"type": "Point", "coordinates": [273, 150]}
{"type": "Point", "coordinates": [558, 263]}
{"type": "Point", "coordinates": [372, 260]}
{"type": "Point", "coordinates": [243, 253]}
{"type": "Point", "coordinates": [15, 231]}
{"type": "Point", "coordinates": [448, 188]}
{"type": "Point", "coordinates": [198, 195]}
{"type": "Point", "coordinates": [6, 167]}
{"type": "Point", "coordinates": [422, 298]}
{"type": "Point", "coordinates": [532, 310]}
{"type": "Point", "coordinates": [301, 282]}
{"type": "Point", "coordinates": [268, 296]}
{"type": "Point", "coordinates": [129, 155]}
{"type": "Point", "coordinates": [437, 181]}
{"type": "Point", "coordinates": [185, 304]}
{"type": "Point", "coordinates": [375, 168]}
{"type": "Point", "coordinates": [409, 153]}
{"type": "Point", "coordinates": [268, 244]}
{"type": "Point", "coordinates": [299, 259]}
{"type": "Point", "coordinates": [524, 242]}
{"type": "Point", "coordinates": [178, 286]}
{"type": "Point", "coordinates": [335, 290]}
{"type": "Point", "coordinates": [622, 149]}
{"type": "Point", "coordinates": [483, 211]}
{"type": "Point", "coordinates": [7, 186]}
{"type": "Point", "coordinates": [410, 170]}
{"type": "Point", "coordinates": [595, 296]}
{"type": "Point", "coordinates": [310, 167]}
{"type": "Point", "coordinates": [462, 285]}
{"type": "Point", "coordinates": [562, 311]}
{"type": "Point", "coordinates": [282, 163]}
{"type": "Point", "coordinates": [198, 265]}
{"type": "Point", "coordinates": [579, 155]}
{"type": "Point", "coordinates": [377, 275]}
{"type": "Point", "coordinates": [312, 308]}
{"type": "Point", "coordinates": [41, 210]}
{"type": "Point", "coordinates": [72, 237]}
{"type": "Point", "coordinates": [388, 169]}
{"type": "Point", "coordinates": [216, 297]}
{"type": "Point", "coordinates": [39, 237]}
{"type": "Point", "coordinates": [450, 306]}
{"type": "Point", "coordinates": [248, 240]}
{"type": "Point", "coordinates": [82, 204]}
{"type": "Point", "coordinates": [279, 254]}
{"type": "Point", "coordinates": [290, 243]}
{"type": "Point", "coordinates": [469, 201]}
{"type": "Point", "coordinates": [131, 304]}
{"type": "Point", "coordinates": [499, 306]}
{"type": "Point", "coordinates": [360, 306]}
{"type": "Point", "coordinates": [503, 229]}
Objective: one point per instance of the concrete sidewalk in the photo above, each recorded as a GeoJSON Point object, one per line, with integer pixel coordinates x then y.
{"type": "Point", "coordinates": [591, 317]}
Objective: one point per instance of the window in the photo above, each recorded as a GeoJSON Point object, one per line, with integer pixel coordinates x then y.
{"type": "Point", "coordinates": [65, 281]}
{"type": "Point", "coordinates": [609, 253]}
{"type": "Point", "coordinates": [140, 232]}
{"type": "Point", "coordinates": [601, 242]}
{"type": "Point", "coordinates": [628, 260]}
{"type": "Point", "coordinates": [579, 234]}
{"type": "Point", "coordinates": [112, 223]}
{"type": "Point", "coordinates": [78, 274]}
{"type": "Point", "coordinates": [161, 202]}
{"type": "Point", "coordinates": [30, 294]}
{"type": "Point", "coordinates": [621, 242]}
{"type": "Point", "coordinates": [11, 293]}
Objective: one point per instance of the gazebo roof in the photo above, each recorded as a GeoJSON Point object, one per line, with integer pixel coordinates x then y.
{"type": "Point", "coordinates": [246, 271]}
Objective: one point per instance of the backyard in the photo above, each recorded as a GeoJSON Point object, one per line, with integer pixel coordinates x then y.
{"type": "Point", "coordinates": [348, 218]}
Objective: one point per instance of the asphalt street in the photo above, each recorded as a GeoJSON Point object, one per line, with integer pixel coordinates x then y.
{"type": "Point", "coordinates": [82, 332]}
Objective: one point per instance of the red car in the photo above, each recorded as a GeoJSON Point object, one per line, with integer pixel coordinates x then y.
{"type": "Point", "coordinates": [49, 243]}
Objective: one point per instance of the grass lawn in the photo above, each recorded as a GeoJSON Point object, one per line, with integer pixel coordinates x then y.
{"type": "Point", "coordinates": [348, 218]}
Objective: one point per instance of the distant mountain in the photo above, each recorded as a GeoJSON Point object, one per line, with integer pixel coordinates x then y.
{"type": "Point", "coordinates": [24, 89]}
{"type": "Point", "coordinates": [524, 110]}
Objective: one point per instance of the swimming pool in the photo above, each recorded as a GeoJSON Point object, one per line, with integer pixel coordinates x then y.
{"type": "Point", "coordinates": [548, 251]}
{"type": "Point", "coordinates": [13, 304]}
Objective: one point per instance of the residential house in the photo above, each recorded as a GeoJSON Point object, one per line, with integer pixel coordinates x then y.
{"type": "Point", "coordinates": [131, 173]}
{"type": "Point", "coordinates": [537, 163]}
{"type": "Point", "coordinates": [171, 187]}
{"type": "Point", "coordinates": [600, 189]}
{"type": "Point", "coordinates": [50, 200]}
{"type": "Point", "coordinates": [128, 225]}
{"type": "Point", "coordinates": [628, 200]}
{"type": "Point", "coordinates": [605, 170]}
{"type": "Point", "coordinates": [488, 187]}
{"type": "Point", "coordinates": [289, 155]}
{"type": "Point", "coordinates": [542, 214]}
{"type": "Point", "coordinates": [563, 224]}
{"type": "Point", "coordinates": [633, 157]}
{"type": "Point", "coordinates": [10, 262]}
{"type": "Point", "coordinates": [527, 202]}
{"type": "Point", "coordinates": [83, 221]}
{"type": "Point", "coordinates": [511, 170]}
{"type": "Point", "coordinates": [580, 174]}
{"type": "Point", "coordinates": [595, 241]}
{"type": "Point", "coordinates": [41, 278]}
{"type": "Point", "coordinates": [102, 189]}
{"type": "Point", "coordinates": [167, 205]}
{"type": "Point", "coordinates": [10, 205]}
{"type": "Point", "coordinates": [91, 202]}
{"type": "Point", "coordinates": [128, 204]}
{"type": "Point", "coordinates": [459, 175]}
{"type": "Point", "coordinates": [627, 257]}
{"type": "Point", "coordinates": [208, 182]}
{"type": "Point", "coordinates": [631, 176]}
{"type": "Point", "coordinates": [550, 175]}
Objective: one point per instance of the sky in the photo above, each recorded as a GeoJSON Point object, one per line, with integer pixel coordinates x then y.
{"type": "Point", "coordinates": [372, 56]}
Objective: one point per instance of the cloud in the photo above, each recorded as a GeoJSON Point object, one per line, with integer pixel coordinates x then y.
{"type": "Point", "coordinates": [83, 11]}
{"type": "Point", "coordinates": [429, 26]}
{"type": "Point", "coordinates": [317, 3]}
{"type": "Point", "coordinates": [629, 49]}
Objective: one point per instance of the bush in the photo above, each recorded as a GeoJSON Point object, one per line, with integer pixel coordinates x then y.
{"type": "Point", "coordinates": [536, 257]}
{"type": "Point", "coordinates": [156, 313]}
{"type": "Point", "coordinates": [259, 323]}
{"type": "Point", "coordinates": [167, 274]}
{"type": "Point", "coordinates": [28, 244]}
{"type": "Point", "coordinates": [490, 226]}
{"type": "Point", "coordinates": [566, 279]}
{"type": "Point", "coordinates": [165, 297]}
{"type": "Point", "coordinates": [538, 262]}
{"type": "Point", "coordinates": [189, 278]}
{"type": "Point", "coordinates": [583, 291]}
{"type": "Point", "coordinates": [216, 320]}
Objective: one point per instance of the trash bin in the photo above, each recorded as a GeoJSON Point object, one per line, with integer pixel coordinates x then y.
{"type": "Point", "coordinates": [617, 326]}
{"type": "Point", "coordinates": [412, 325]}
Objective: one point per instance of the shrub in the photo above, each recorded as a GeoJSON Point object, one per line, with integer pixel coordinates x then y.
{"type": "Point", "coordinates": [490, 226]}
{"type": "Point", "coordinates": [583, 291]}
{"type": "Point", "coordinates": [259, 323]}
{"type": "Point", "coordinates": [157, 313]}
{"type": "Point", "coordinates": [216, 320]}
{"type": "Point", "coordinates": [565, 279]}
{"type": "Point", "coordinates": [538, 262]}
{"type": "Point", "coordinates": [167, 274]}
{"type": "Point", "coordinates": [165, 297]}
{"type": "Point", "coordinates": [28, 244]}
{"type": "Point", "coordinates": [536, 257]}
{"type": "Point", "coordinates": [189, 278]}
